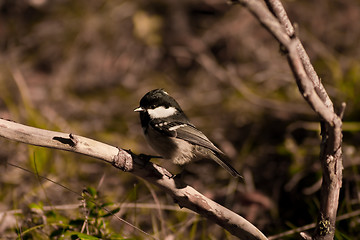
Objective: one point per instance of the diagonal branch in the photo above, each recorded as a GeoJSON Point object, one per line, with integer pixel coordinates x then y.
{"type": "Point", "coordinates": [290, 46]}
{"type": "Point", "coordinates": [278, 10]}
{"type": "Point", "coordinates": [274, 18]}
{"type": "Point", "coordinates": [138, 165]}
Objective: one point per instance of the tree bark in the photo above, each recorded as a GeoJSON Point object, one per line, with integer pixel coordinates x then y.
{"type": "Point", "coordinates": [138, 165]}
{"type": "Point", "coordinates": [274, 18]}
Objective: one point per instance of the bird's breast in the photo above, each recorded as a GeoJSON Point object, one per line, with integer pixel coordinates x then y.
{"type": "Point", "coordinates": [177, 150]}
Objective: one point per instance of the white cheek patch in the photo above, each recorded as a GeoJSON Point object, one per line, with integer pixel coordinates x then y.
{"type": "Point", "coordinates": [162, 112]}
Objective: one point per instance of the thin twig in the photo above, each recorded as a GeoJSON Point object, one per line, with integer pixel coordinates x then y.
{"type": "Point", "coordinates": [278, 9]}
{"type": "Point", "coordinates": [274, 18]}
{"type": "Point", "coordinates": [313, 225]}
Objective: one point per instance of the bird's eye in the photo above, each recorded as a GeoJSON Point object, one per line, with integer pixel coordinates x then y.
{"type": "Point", "coordinates": [153, 106]}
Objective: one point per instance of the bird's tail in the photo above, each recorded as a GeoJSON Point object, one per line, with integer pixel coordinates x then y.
{"type": "Point", "coordinates": [219, 157]}
{"type": "Point", "coordinates": [223, 161]}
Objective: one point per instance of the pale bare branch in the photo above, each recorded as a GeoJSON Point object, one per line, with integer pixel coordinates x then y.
{"type": "Point", "coordinates": [274, 18]}
{"type": "Point", "coordinates": [139, 165]}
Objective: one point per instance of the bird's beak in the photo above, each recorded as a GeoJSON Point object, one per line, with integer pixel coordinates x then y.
{"type": "Point", "coordinates": [139, 109]}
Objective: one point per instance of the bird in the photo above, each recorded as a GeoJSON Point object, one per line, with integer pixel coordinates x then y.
{"type": "Point", "coordinates": [169, 132]}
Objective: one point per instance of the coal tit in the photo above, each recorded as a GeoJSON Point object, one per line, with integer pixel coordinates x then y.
{"type": "Point", "coordinates": [171, 135]}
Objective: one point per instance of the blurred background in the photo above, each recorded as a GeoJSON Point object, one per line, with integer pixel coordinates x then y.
{"type": "Point", "coordinates": [82, 66]}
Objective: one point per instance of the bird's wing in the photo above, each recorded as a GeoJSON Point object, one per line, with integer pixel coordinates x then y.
{"type": "Point", "coordinates": [191, 134]}
{"type": "Point", "coordinates": [184, 131]}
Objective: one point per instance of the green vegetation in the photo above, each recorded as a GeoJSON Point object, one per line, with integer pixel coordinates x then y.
{"type": "Point", "coordinates": [82, 66]}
